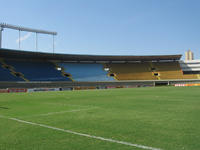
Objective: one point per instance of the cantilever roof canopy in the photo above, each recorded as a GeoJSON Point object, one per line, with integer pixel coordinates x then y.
{"type": "Point", "coordinates": [18, 54]}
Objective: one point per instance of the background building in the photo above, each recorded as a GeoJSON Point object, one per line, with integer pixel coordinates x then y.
{"type": "Point", "coordinates": [189, 55]}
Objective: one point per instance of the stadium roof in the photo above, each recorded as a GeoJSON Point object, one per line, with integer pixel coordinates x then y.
{"type": "Point", "coordinates": [19, 54]}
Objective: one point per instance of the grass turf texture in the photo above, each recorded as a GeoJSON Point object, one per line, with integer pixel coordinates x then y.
{"type": "Point", "coordinates": [163, 117]}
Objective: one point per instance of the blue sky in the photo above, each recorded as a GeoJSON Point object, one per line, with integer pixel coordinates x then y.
{"type": "Point", "coordinates": [117, 27]}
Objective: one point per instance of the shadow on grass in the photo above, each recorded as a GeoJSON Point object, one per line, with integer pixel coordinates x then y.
{"type": "Point", "coordinates": [3, 107]}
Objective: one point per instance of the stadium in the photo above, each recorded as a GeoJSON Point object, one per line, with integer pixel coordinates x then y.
{"type": "Point", "coordinates": [100, 101]}
{"type": "Point", "coordinates": [43, 70]}
{"type": "Point", "coordinates": [29, 69]}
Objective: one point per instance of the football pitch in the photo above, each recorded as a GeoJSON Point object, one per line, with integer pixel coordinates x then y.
{"type": "Point", "coordinates": [160, 118]}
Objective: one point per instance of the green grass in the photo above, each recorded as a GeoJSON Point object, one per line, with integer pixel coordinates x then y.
{"type": "Point", "coordinates": [163, 117]}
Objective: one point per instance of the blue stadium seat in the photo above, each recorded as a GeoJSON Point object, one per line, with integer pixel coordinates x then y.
{"type": "Point", "coordinates": [37, 71]}
{"type": "Point", "coordinates": [5, 75]}
{"type": "Point", "coordinates": [86, 72]}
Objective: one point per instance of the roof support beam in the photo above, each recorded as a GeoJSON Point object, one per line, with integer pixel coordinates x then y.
{"type": "Point", "coordinates": [4, 25]}
{"type": "Point", "coordinates": [1, 30]}
{"type": "Point", "coordinates": [19, 28]}
{"type": "Point", "coordinates": [19, 39]}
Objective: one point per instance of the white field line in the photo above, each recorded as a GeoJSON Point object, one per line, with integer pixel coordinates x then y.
{"type": "Point", "coordinates": [60, 112]}
{"type": "Point", "coordinates": [83, 134]}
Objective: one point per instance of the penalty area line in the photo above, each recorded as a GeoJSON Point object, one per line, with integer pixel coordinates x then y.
{"type": "Point", "coordinates": [83, 134]}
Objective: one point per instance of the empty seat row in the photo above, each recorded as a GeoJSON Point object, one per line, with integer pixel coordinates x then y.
{"type": "Point", "coordinates": [6, 75]}
{"type": "Point", "coordinates": [86, 72]}
{"type": "Point", "coordinates": [32, 71]}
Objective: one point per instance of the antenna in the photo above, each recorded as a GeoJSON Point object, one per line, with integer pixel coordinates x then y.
{"type": "Point", "coordinates": [20, 28]}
